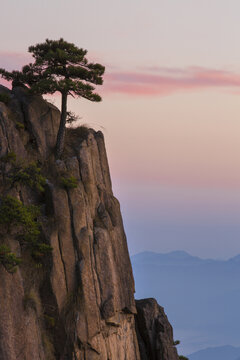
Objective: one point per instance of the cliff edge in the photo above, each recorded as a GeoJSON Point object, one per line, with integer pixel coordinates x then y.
{"type": "Point", "coordinates": [76, 300]}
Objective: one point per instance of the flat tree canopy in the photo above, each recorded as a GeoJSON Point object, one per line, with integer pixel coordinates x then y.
{"type": "Point", "coordinates": [62, 67]}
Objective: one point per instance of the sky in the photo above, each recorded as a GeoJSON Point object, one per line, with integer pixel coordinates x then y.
{"type": "Point", "coordinates": [170, 111]}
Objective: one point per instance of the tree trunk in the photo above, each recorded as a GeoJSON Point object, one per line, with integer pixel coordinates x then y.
{"type": "Point", "coordinates": [61, 130]}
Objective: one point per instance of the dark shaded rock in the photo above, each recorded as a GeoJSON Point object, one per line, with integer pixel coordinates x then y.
{"type": "Point", "coordinates": [155, 335]}
{"type": "Point", "coordinates": [4, 90]}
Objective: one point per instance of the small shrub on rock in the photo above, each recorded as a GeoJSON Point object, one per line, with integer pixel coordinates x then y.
{"type": "Point", "coordinates": [14, 214]}
{"type": "Point", "coordinates": [20, 173]}
{"type": "Point", "coordinates": [69, 182]}
{"type": "Point", "coordinates": [40, 250]}
{"type": "Point", "coordinates": [29, 174]}
{"type": "Point", "coordinates": [19, 125]}
{"type": "Point", "coordinates": [8, 158]}
{"type": "Point", "coordinates": [72, 117]}
{"type": "Point", "coordinates": [8, 259]}
{"type": "Point", "coordinates": [176, 342]}
{"type": "Point", "coordinates": [49, 321]}
{"type": "Point", "coordinates": [31, 300]}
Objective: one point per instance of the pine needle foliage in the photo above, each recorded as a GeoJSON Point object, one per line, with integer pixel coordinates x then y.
{"type": "Point", "coordinates": [21, 173]}
{"type": "Point", "coordinates": [8, 259]}
{"type": "Point", "coordinates": [29, 174]}
{"type": "Point", "coordinates": [14, 215]}
{"type": "Point", "coordinates": [10, 157]}
{"type": "Point", "coordinates": [69, 182]}
{"type": "Point", "coordinates": [62, 67]}
{"type": "Point", "coordinates": [72, 117]}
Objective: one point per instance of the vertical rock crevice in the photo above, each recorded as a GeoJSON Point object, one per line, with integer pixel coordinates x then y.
{"type": "Point", "coordinates": [63, 263]}
{"type": "Point", "coordinates": [86, 289]}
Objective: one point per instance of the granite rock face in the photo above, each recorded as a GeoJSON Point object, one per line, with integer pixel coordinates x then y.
{"type": "Point", "coordinates": [155, 334]}
{"type": "Point", "coordinates": [79, 302]}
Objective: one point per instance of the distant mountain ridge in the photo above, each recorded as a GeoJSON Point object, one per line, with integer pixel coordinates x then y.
{"type": "Point", "coordinates": [200, 296]}
{"type": "Point", "coordinates": [235, 258]}
{"type": "Point", "coordinates": [217, 353]}
{"type": "Point", "coordinates": [166, 257]}
{"type": "Point", "coordinates": [179, 255]}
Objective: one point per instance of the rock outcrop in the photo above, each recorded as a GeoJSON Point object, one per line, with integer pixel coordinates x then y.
{"type": "Point", "coordinates": [155, 334]}
{"type": "Point", "coordinates": [78, 303]}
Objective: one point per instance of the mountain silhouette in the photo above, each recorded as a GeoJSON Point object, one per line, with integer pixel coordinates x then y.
{"type": "Point", "coordinates": [200, 296]}
{"type": "Point", "coordinates": [217, 353]}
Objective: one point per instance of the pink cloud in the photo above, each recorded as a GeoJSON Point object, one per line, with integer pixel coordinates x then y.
{"type": "Point", "coordinates": [14, 60]}
{"type": "Point", "coordinates": [165, 81]}
{"type": "Point", "coordinates": [148, 81]}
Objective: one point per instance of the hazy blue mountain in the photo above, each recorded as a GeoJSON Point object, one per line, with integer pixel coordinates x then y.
{"type": "Point", "coordinates": [217, 353]}
{"type": "Point", "coordinates": [235, 259]}
{"type": "Point", "coordinates": [201, 297]}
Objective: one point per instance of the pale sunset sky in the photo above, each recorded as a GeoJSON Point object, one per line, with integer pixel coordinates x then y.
{"type": "Point", "coordinates": [170, 111]}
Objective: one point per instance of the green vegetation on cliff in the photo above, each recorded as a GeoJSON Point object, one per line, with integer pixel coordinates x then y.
{"type": "Point", "coordinates": [13, 213]}
{"type": "Point", "coordinates": [69, 182]}
{"type": "Point", "coordinates": [8, 259]}
{"type": "Point", "coordinates": [18, 172]}
{"type": "Point", "coordinates": [29, 174]}
{"type": "Point", "coordinates": [21, 221]}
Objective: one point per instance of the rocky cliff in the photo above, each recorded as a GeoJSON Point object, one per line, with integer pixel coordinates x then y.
{"type": "Point", "coordinates": [72, 296]}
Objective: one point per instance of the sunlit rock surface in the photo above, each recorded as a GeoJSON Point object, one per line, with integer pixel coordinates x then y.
{"type": "Point", "coordinates": [80, 303]}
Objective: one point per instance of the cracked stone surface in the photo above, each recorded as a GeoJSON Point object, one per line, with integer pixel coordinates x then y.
{"type": "Point", "coordinates": [80, 303]}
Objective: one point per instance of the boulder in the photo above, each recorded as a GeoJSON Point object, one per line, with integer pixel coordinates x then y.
{"type": "Point", "coordinates": [155, 334]}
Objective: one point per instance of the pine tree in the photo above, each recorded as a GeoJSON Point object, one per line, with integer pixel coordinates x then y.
{"type": "Point", "coordinates": [59, 67]}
